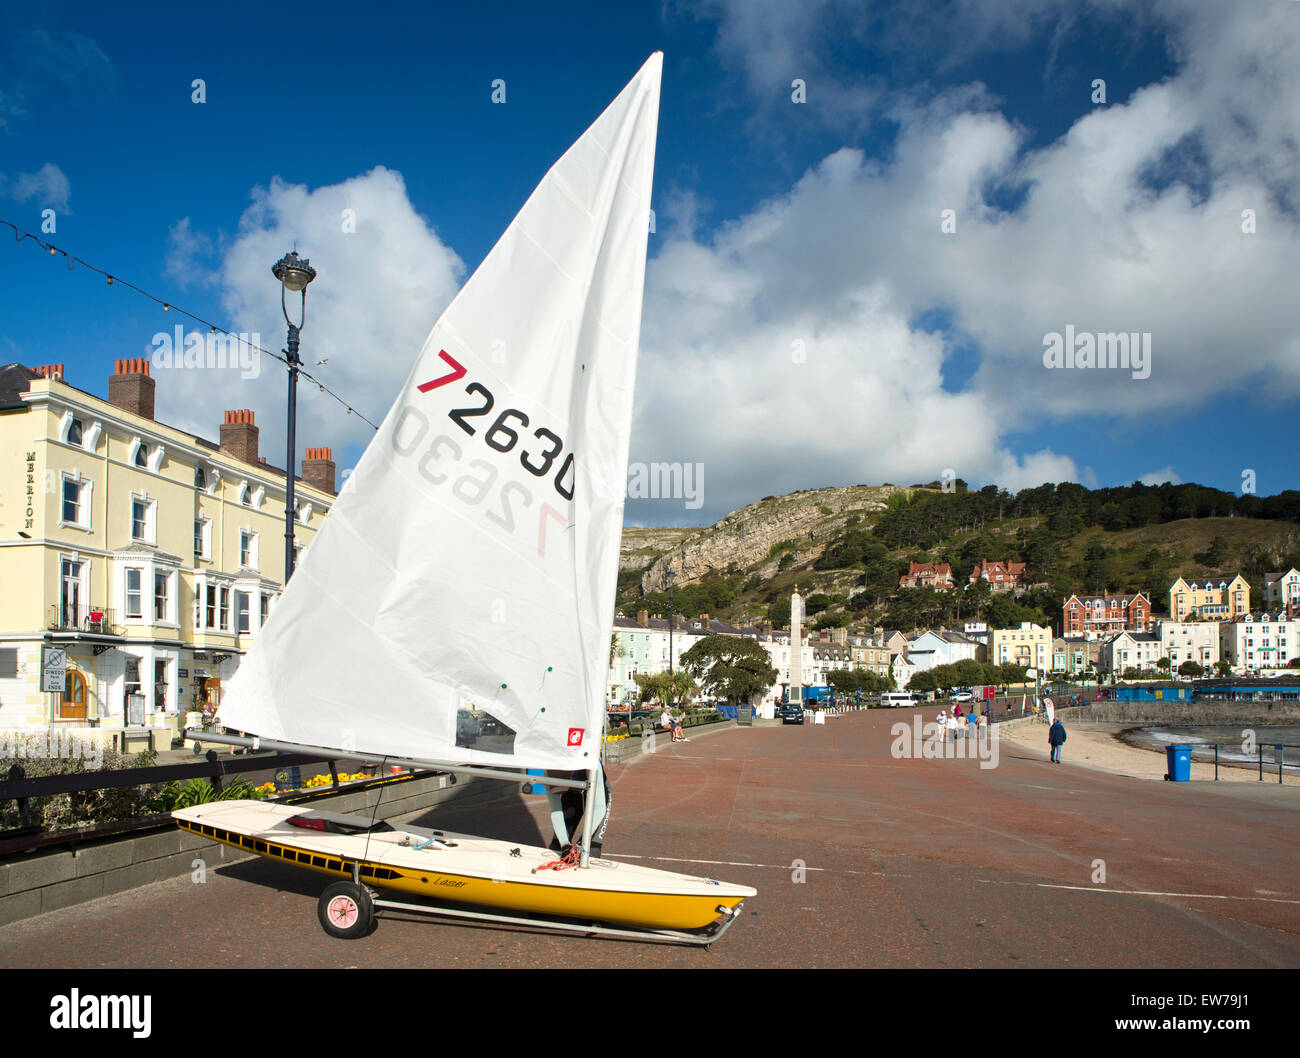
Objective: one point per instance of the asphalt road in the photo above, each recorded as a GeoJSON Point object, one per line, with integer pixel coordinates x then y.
{"type": "Point", "coordinates": [860, 860]}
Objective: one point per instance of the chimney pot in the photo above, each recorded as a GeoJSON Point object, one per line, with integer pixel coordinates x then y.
{"type": "Point", "coordinates": [318, 469]}
{"type": "Point", "coordinates": [239, 435]}
{"type": "Point", "coordinates": [130, 387]}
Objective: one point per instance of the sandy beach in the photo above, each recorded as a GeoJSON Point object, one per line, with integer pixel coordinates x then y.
{"type": "Point", "coordinates": [1097, 745]}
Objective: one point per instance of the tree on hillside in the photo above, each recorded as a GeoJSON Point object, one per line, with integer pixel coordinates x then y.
{"type": "Point", "coordinates": [974, 598]}
{"type": "Point", "coordinates": [1216, 555]}
{"type": "Point", "coordinates": [732, 668]}
{"type": "Point", "coordinates": [1096, 577]}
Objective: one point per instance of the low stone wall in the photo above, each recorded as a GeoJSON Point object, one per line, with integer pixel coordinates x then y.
{"type": "Point", "coordinates": [1188, 714]}
{"type": "Point", "coordinates": [1169, 714]}
{"type": "Point", "coordinates": [635, 745]}
{"type": "Point", "coordinates": [36, 882]}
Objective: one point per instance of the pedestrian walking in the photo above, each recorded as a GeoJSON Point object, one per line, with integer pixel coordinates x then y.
{"type": "Point", "coordinates": [1056, 739]}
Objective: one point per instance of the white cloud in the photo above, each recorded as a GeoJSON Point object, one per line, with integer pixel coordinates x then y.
{"type": "Point", "coordinates": [1159, 477]}
{"type": "Point", "coordinates": [779, 350]}
{"type": "Point", "coordinates": [186, 252]}
{"type": "Point", "coordinates": [48, 187]}
{"type": "Point", "coordinates": [377, 294]}
{"type": "Point", "coordinates": [1132, 221]}
{"type": "Point", "coordinates": [38, 66]}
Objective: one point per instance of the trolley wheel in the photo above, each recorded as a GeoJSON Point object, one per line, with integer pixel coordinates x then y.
{"type": "Point", "coordinates": [345, 910]}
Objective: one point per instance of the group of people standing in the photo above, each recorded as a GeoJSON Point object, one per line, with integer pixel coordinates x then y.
{"type": "Point", "coordinates": [952, 723]}
{"type": "Point", "coordinates": [977, 725]}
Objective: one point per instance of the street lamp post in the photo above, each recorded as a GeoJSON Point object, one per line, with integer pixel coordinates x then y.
{"type": "Point", "coordinates": [294, 274]}
{"type": "Point", "coordinates": [671, 685]}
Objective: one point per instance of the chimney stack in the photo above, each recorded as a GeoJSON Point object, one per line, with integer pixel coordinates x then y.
{"type": "Point", "coordinates": [54, 371]}
{"type": "Point", "coordinates": [767, 628]}
{"type": "Point", "coordinates": [239, 436]}
{"type": "Point", "coordinates": [704, 618]}
{"type": "Point", "coordinates": [318, 469]}
{"type": "Point", "coordinates": [130, 387]}
{"type": "Point", "coordinates": [643, 618]}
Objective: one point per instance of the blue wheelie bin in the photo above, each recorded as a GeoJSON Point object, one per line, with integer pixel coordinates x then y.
{"type": "Point", "coordinates": [1179, 760]}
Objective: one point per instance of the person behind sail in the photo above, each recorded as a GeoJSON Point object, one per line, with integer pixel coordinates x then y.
{"type": "Point", "coordinates": [568, 806]}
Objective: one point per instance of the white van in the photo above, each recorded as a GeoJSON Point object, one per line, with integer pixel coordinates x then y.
{"type": "Point", "coordinates": [896, 699]}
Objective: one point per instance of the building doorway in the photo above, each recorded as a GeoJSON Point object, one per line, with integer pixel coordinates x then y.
{"type": "Point", "coordinates": [72, 704]}
{"type": "Point", "coordinates": [209, 694]}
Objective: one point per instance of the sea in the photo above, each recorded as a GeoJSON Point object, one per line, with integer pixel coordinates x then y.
{"type": "Point", "coordinates": [1237, 743]}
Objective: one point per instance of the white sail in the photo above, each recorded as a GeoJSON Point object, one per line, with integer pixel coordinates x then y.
{"type": "Point", "coordinates": [468, 566]}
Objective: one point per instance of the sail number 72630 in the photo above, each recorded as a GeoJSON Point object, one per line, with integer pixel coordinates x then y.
{"type": "Point", "coordinates": [473, 486]}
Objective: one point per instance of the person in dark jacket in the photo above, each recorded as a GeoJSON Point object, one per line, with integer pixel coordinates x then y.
{"type": "Point", "coordinates": [1056, 739]}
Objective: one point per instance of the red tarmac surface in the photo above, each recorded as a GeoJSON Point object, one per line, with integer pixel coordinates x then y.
{"type": "Point", "coordinates": [860, 860]}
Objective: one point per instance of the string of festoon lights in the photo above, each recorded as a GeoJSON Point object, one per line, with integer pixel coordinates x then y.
{"type": "Point", "coordinates": [168, 306]}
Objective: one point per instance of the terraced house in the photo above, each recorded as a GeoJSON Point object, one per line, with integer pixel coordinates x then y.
{"type": "Point", "coordinates": [150, 555]}
{"type": "Point", "coordinates": [1260, 641]}
{"type": "Point", "coordinates": [1094, 616]}
{"type": "Point", "coordinates": [1213, 599]}
{"type": "Point", "coordinates": [1029, 645]}
{"type": "Point", "coordinates": [1282, 591]}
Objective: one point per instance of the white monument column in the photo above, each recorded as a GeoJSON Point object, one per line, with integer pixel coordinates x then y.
{"type": "Point", "coordinates": [796, 647]}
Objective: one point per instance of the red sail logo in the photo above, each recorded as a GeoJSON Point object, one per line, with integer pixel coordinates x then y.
{"type": "Point", "coordinates": [575, 736]}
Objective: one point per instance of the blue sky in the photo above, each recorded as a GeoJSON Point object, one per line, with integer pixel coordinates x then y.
{"type": "Point", "coordinates": [808, 322]}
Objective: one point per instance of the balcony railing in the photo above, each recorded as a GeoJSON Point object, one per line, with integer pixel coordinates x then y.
{"type": "Point", "coordinates": [83, 618]}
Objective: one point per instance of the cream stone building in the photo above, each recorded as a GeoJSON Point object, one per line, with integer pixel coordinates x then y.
{"type": "Point", "coordinates": [1184, 641]}
{"type": "Point", "coordinates": [1029, 645]}
{"type": "Point", "coordinates": [1214, 599]}
{"type": "Point", "coordinates": [149, 555]}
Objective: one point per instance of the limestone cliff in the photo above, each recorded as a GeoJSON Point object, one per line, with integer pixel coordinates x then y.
{"type": "Point", "coordinates": [743, 541]}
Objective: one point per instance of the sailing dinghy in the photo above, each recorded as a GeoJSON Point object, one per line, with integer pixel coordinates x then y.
{"type": "Point", "coordinates": [454, 610]}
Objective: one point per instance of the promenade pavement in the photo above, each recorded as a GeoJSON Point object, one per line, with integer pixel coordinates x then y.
{"type": "Point", "coordinates": [860, 859]}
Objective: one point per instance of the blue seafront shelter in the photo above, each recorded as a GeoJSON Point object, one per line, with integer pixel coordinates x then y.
{"type": "Point", "coordinates": [1286, 687]}
{"type": "Point", "coordinates": [1234, 689]}
{"type": "Point", "coordinates": [1153, 692]}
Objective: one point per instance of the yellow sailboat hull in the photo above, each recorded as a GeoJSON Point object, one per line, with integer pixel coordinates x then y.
{"type": "Point", "coordinates": [482, 872]}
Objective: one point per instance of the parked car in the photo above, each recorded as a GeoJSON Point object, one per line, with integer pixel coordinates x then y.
{"type": "Point", "coordinates": [791, 714]}
{"type": "Point", "coordinates": [467, 730]}
{"type": "Point", "coordinates": [960, 696]}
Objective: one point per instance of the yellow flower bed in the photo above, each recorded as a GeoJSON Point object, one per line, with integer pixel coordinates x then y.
{"type": "Point", "coordinates": [316, 782]}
